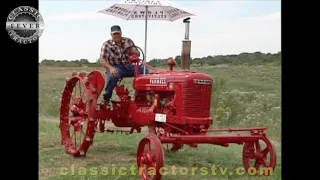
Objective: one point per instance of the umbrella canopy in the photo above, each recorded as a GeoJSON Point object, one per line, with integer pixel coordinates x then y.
{"type": "Point", "coordinates": [164, 10]}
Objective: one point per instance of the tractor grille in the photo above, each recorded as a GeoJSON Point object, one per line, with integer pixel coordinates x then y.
{"type": "Point", "coordinates": [197, 100]}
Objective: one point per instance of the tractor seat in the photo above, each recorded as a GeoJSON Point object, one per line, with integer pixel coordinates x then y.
{"type": "Point", "coordinates": [124, 77]}
{"type": "Point", "coordinates": [127, 77]}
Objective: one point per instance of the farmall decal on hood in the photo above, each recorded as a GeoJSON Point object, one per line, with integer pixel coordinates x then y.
{"type": "Point", "coordinates": [158, 80]}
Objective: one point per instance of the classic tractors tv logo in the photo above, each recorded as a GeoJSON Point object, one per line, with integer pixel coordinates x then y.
{"type": "Point", "coordinates": [25, 25]}
{"type": "Point", "coordinates": [75, 170]}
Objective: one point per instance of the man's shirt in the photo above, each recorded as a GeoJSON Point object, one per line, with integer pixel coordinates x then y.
{"type": "Point", "coordinates": [112, 52]}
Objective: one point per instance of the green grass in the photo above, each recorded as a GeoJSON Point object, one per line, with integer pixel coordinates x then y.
{"type": "Point", "coordinates": [244, 96]}
{"type": "Point", "coordinates": [112, 150]}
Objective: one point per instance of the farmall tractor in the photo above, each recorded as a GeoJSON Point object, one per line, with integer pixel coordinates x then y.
{"type": "Point", "coordinates": [174, 105]}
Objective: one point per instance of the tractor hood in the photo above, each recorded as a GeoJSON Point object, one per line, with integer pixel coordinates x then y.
{"type": "Point", "coordinates": [163, 79]}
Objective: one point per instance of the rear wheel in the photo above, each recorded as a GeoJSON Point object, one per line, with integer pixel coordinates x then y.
{"type": "Point", "coordinates": [76, 129]}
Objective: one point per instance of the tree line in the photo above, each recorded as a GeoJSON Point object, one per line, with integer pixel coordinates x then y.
{"type": "Point", "coordinates": [256, 58]}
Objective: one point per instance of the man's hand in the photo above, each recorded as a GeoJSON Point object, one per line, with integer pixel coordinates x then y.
{"type": "Point", "coordinates": [105, 64]}
{"type": "Point", "coordinates": [114, 71]}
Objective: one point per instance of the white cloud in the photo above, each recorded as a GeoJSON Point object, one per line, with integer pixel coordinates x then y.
{"type": "Point", "coordinates": [272, 16]}
{"type": "Point", "coordinates": [77, 16]}
{"type": "Point", "coordinates": [248, 34]}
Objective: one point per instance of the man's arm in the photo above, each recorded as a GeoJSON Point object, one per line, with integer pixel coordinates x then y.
{"type": "Point", "coordinates": [134, 50]}
{"type": "Point", "coordinates": [104, 60]}
{"type": "Point", "coordinates": [103, 56]}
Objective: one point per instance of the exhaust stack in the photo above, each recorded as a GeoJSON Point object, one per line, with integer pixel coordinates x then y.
{"type": "Point", "coordinates": [186, 47]}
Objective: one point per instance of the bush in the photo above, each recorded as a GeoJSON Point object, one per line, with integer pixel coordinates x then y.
{"type": "Point", "coordinates": [233, 108]}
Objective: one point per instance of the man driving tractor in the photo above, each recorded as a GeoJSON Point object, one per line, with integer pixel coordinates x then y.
{"type": "Point", "coordinates": [116, 64]}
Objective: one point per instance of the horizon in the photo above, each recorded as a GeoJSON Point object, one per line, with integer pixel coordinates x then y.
{"type": "Point", "coordinates": [235, 27]}
{"type": "Point", "coordinates": [192, 58]}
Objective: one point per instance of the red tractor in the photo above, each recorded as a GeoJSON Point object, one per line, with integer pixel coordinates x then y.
{"type": "Point", "coordinates": [174, 105]}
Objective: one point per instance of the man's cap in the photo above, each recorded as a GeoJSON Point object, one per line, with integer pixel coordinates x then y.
{"type": "Point", "coordinates": [115, 29]}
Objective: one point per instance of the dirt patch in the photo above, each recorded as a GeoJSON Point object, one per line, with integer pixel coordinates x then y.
{"type": "Point", "coordinates": [108, 124]}
{"type": "Point", "coordinates": [47, 172]}
{"type": "Point", "coordinates": [50, 148]}
{"type": "Point", "coordinates": [49, 119]}
{"type": "Point", "coordinates": [115, 157]}
{"type": "Point", "coordinates": [276, 143]}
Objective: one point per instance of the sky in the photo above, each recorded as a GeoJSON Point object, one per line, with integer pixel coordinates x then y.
{"type": "Point", "coordinates": [75, 30]}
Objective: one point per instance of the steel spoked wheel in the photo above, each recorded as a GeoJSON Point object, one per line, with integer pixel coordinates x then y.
{"type": "Point", "coordinates": [76, 129]}
{"type": "Point", "coordinates": [150, 158]}
{"type": "Point", "coordinates": [259, 157]}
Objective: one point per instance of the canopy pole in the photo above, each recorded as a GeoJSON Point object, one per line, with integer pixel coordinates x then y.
{"type": "Point", "coordinates": [145, 40]}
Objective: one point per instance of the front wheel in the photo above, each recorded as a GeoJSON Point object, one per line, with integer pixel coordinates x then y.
{"type": "Point", "coordinates": [259, 157]}
{"type": "Point", "coordinates": [150, 158]}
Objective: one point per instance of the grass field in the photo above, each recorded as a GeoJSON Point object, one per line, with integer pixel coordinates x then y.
{"type": "Point", "coordinates": [244, 96]}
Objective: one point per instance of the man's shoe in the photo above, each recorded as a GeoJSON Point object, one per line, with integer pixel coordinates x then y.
{"type": "Point", "coordinates": [106, 98]}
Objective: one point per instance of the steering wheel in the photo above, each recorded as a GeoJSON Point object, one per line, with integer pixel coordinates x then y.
{"type": "Point", "coordinates": [134, 46]}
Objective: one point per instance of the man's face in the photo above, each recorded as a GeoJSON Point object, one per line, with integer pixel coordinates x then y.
{"type": "Point", "coordinates": [116, 37]}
